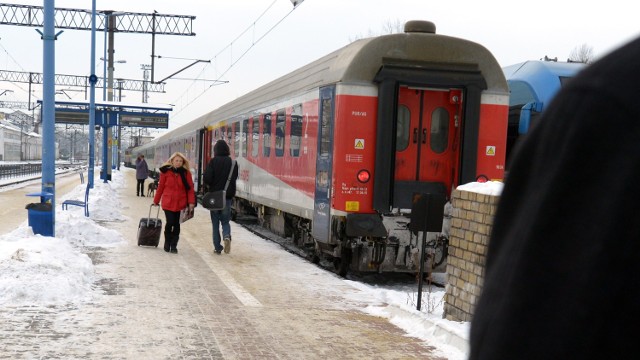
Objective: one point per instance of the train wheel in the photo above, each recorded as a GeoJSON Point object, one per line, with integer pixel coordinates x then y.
{"type": "Point", "coordinates": [438, 256]}
{"type": "Point", "coordinates": [316, 254]}
{"type": "Point", "coordinates": [342, 263]}
{"type": "Point", "coordinates": [440, 253]}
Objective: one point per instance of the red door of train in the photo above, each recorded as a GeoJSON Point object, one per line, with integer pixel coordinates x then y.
{"type": "Point", "coordinates": [427, 142]}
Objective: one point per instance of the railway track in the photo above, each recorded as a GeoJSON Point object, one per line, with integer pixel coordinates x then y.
{"type": "Point", "coordinates": [251, 223]}
{"type": "Point", "coordinates": [387, 279]}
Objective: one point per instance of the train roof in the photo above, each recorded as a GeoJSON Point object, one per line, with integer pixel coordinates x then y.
{"type": "Point", "coordinates": [359, 62]}
{"type": "Point", "coordinates": [542, 78]}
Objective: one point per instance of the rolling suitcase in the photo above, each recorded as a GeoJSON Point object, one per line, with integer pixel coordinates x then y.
{"type": "Point", "coordinates": [149, 229]}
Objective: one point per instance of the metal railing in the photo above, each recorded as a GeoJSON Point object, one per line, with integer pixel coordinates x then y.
{"type": "Point", "coordinates": [8, 171]}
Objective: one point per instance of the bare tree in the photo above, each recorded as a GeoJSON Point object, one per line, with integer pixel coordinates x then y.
{"type": "Point", "coordinates": [393, 27]}
{"type": "Point", "coordinates": [581, 54]}
{"type": "Point", "coordinates": [390, 27]}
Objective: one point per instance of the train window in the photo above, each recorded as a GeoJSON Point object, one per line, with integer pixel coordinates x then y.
{"type": "Point", "coordinates": [245, 144]}
{"type": "Point", "coordinates": [255, 137]}
{"type": "Point", "coordinates": [214, 137]}
{"type": "Point", "coordinates": [223, 134]}
{"type": "Point", "coordinates": [235, 140]}
{"type": "Point", "coordinates": [325, 129]}
{"type": "Point", "coordinates": [280, 124]}
{"type": "Point", "coordinates": [439, 139]}
{"type": "Point", "coordinates": [266, 136]}
{"type": "Point", "coordinates": [296, 130]}
{"type": "Point", "coordinates": [322, 179]}
{"type": "Point", "coordinates": [226, 136]}
{"type": "Point", "coordinates": [403, 128]}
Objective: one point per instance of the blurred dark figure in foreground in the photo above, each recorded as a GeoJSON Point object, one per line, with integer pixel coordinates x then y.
{"type": "Point", "coordinates": [562, 276]}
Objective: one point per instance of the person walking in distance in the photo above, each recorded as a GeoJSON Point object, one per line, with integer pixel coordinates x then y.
{"type": "Point", "coordinates": [562, 278]}
{"type": "Point", "coordinates": [142, 172]}
{"type": "Point", "coordinates": [215, 177]}
{"type": "Point", "coordinates": [174, 193]}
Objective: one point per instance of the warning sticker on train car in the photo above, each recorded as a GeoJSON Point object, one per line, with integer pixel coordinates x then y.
{"type": "Point", "coordinates": [359, 144]}
{"type": "Point", "coordinates": [352, 205]}
{"type": "Point", "coordinates": [491, 151]}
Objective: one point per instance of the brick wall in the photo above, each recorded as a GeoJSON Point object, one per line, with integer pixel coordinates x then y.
{"type": "Point", "coordinates": [471, 223]}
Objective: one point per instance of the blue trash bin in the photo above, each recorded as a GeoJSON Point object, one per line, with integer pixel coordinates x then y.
{"type": "Point", "coordinates": [41, 218]}
{"type": "Point", "coordinates": [40, 214]}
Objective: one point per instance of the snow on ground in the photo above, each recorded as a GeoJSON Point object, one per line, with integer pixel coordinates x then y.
{"type": "Point", "coordinates": [30, 263]}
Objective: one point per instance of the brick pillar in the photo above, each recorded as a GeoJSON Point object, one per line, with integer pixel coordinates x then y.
{"type": "Point", "coordinates": [471, 223]}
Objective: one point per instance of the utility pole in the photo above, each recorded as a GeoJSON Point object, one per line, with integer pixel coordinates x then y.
{"type": "Point", "coordinates": [145, 82]}
{"type": "Point", "coordinates": [118, 146]}
{"type": "Point", "coordinates": [48, 114]}
{"type": "Point", "coordinates": [21, 141]}
{"type": "Point", "coordinates": [78, 19]}
{"type": "Point", "coordinates": [108, 134]}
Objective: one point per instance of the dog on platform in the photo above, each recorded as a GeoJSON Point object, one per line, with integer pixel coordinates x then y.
{"type": "Point", "coordinates": [152, 188]}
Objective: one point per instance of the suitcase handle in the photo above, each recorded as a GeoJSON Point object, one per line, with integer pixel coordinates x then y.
{"type": "Point", "coordinates": [157, 214]}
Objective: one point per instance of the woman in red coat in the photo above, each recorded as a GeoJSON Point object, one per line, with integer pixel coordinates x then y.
{"type": "Point", "coordinates": [175, 192]}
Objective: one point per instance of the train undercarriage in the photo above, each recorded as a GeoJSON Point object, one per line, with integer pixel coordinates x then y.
{"type": "Point", "coordinates": [400, 251]}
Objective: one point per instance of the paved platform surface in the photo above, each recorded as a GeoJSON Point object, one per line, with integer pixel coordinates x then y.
{"type": "Point", "coordinates": [249, 304]}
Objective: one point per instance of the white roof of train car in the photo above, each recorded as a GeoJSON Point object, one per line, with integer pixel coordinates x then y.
{"type": "Point", "coordinates": [358, 63]}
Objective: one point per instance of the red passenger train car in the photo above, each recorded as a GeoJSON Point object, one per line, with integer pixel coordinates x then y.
{"type": "Point", "coordinates": [331, 154]}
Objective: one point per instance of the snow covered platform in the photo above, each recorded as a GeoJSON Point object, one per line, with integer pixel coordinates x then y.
{"type": "Point", "coordinates": [91, 292]}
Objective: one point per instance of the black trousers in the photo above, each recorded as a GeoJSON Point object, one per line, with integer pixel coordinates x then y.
{"type": "Point", "coordinates": [171, 229]}
{"type": "Point", "coordinates": [140, 187]}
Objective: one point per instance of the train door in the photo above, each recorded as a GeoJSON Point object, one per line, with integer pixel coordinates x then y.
{"type": "Point", "coordinates": [204, 139]}
{"type": "Point", "coordinates": [322, 201]}
{"type": "Point", "coordinates": [427, 142]}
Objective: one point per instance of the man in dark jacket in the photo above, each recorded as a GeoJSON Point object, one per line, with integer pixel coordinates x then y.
{"type": "Point", "coordinates": [215, 178]}
{"type": "Point", "coordinates": [563, 272]}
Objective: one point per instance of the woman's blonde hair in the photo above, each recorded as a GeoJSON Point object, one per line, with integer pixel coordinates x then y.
{"type": "Point", "coordinates": [185, 162]}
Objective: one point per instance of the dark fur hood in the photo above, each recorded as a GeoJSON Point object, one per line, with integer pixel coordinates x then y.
{"type": "Point", "coordinates": [165, 168]}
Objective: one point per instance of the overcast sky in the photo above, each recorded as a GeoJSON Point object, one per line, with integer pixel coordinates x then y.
{"type": "Point", "coordinates": [512, 31]}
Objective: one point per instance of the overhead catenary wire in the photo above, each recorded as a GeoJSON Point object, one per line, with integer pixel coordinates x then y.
{"type": "Point", "coordinates": [218, 81]}
{"type": "Point", "coordinates": [20, 66]}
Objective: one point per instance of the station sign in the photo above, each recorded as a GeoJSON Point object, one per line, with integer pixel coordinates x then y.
{"type": "Point", "coordinates": [133, 119]}
{"type": "Point", "coordinates": [70, 116]}
{"type": "Point", "coordinates": [144, 120]}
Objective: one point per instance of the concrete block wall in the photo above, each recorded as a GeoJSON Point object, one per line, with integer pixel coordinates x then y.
{"type": "Point", "coordinates": [471, 224]}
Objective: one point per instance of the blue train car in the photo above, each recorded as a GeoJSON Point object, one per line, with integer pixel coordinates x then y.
{"type": "Point", "coordinates": [532, 86]}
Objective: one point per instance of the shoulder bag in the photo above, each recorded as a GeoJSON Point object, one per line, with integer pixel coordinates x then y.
{"type": "Point", "coordinates": [216, 200]}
